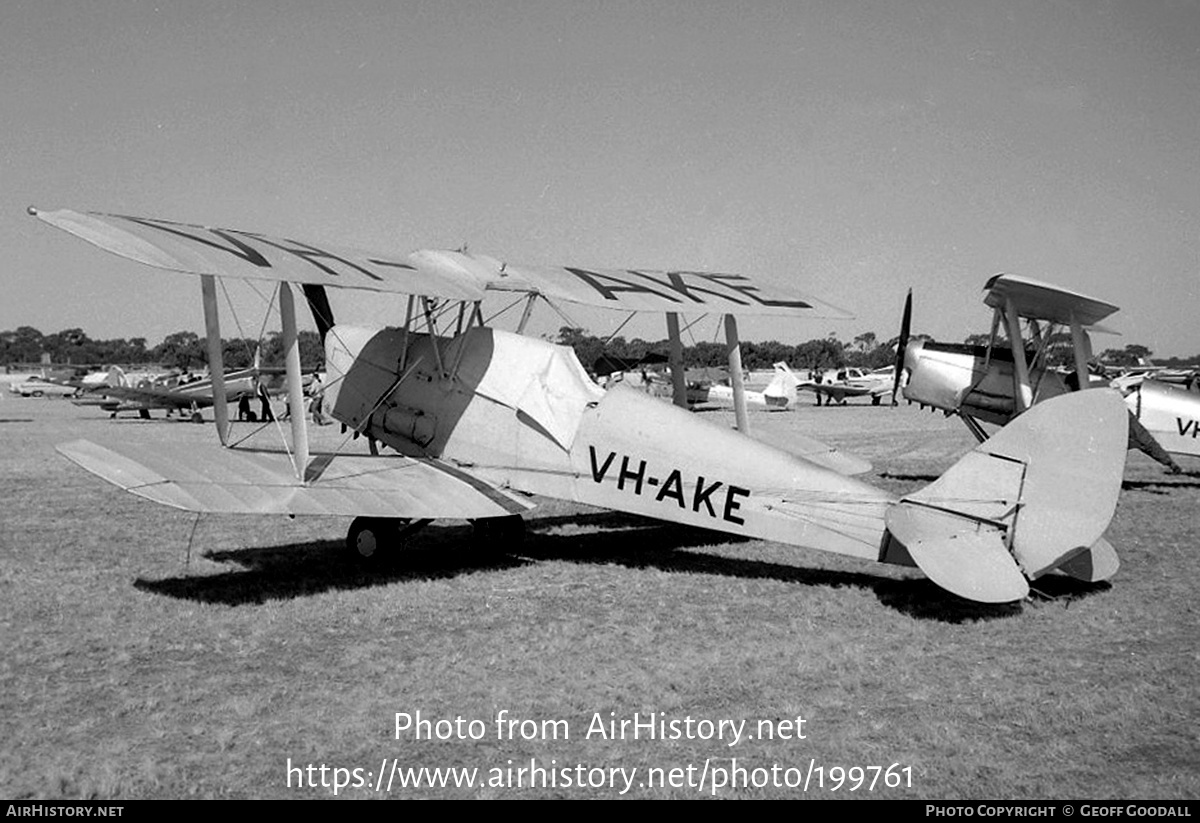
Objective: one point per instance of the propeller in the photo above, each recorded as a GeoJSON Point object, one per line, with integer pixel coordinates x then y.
{"type": "Point", "coordinates": [902, 344]}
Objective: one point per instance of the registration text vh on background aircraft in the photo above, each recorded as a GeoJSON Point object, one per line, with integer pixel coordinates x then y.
{"type": "Point", "coordinates": [475, 417]}
{"type": "Point", "coordinates": [995, 383]}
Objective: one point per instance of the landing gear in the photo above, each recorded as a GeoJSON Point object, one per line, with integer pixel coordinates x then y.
{"type": "Point", "coordinates": [197, 417]}
{"type": "Point", "coordinates": [371, 539]}
{"type": "Point", "coordinates": [501, 535]}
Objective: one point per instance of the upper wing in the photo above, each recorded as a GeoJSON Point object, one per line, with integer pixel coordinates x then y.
{"type": "Point", "coordinates": [665, 291]}
{"type": "Point", "coordinates": [447, 274]}
{"type": "Point", "coordinates": [1043, 301]}
{"type": "Point", "coordinates": [236, 481]}
{"type": "Point", "coordinates": [227, 253]}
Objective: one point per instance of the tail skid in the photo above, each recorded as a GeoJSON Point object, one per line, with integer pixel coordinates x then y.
{"type": "Point", "coordinates": [1037, 495]}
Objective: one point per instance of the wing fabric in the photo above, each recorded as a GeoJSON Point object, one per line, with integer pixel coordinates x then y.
{"type": "Point", "coordinates": [195, 249]}
{"type": "Point", "coordinates": [664, 291]}
{"type": "Point", "coordinates": [1044, 301]}
{"type": "Point", "coordinates": [235, 481]}
{"type": "Point", "coordinates": [454, 275]}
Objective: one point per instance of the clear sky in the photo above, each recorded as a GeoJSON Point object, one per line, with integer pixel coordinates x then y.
{"type": "Point", "coordinates": [851, 150]}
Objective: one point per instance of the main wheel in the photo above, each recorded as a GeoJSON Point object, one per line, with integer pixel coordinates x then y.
{"type": "Point", "coordinates": [371, 539]}
{"type": "Point", "coordinates": [197, 417]}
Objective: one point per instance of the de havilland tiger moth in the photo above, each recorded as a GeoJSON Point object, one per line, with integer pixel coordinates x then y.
{"type": "Point", "coordinates": [472, 419]}
{"type": "Point", "coordinates": [993, 384]}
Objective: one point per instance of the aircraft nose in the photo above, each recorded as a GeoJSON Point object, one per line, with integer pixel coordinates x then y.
{"type": "Point", "coordinates": [912, 355]}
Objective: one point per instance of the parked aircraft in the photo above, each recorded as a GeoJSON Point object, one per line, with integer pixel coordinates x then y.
{"type": "Point", "coordinates": [478, 417]}
{"type": "Point", "coordinates": [41, 387]}
{"type": "Point", "coordinates": [180, 392]}
{"type": "Point", "coordinates": [778, 395]}
{"type": "Point", "coordinates": [835, 385]}
{"type": "Point", "coordinates": [994, 383]}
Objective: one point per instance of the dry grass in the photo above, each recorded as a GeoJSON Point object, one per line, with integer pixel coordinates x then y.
{"type": "Point", "coordinates": [125, 673]}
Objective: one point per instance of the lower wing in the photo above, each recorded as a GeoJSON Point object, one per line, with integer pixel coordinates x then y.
{"type": "Point", "coordinates": [236, 481]}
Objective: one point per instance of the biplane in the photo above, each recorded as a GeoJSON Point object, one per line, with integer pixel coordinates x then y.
{"type": "Point", "coordinates": [466, 421]}
{"type": "Point", "coordinates": [992, 384]}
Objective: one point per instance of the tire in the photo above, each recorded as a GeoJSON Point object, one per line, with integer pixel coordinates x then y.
{"type": "Point", "coordinates": [197, 417]}
{"type": "Point", "coordinates": [372, 539]}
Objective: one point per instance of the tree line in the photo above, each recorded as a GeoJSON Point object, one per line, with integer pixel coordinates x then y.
{"type": "Point", "coordinates": [187, 351]}
{"type": "Point", "coordinates": [183, 350]}
{"type": "Point", "coordinates": [865, 351]}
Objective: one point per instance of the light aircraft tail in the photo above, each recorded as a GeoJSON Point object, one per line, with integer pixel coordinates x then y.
{"type": "Point", "coordinates": [783, 384]}
{"type": "Point", "coordinates": [1035, 496]}
{"type": "Point", "coordinates": [116, 378]}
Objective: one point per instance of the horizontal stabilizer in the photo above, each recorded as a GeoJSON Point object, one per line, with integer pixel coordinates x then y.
{"type": "Point", "coordinates": [1051, 477]}
{"type": "Point", "coordinates": [238, 481]}
{"type": "Point", "coordinates": [1098, 562]}
{"type": "Point", "coordinates": [958, 553]}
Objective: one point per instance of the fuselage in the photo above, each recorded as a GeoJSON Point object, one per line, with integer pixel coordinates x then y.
{"type": "Point", "coordinates": [964, 379]}
{"type": "Point", "coordinates": [521, 413]}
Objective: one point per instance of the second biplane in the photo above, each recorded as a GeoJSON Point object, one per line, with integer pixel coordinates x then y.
{"type": "Point", "coordinates": [993, 384]}
{"type": "Point", "coordinates": [474, 418]}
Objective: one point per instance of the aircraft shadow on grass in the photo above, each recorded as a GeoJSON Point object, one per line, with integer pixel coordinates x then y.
{"type": "Point", "coordinates": [441, 552]}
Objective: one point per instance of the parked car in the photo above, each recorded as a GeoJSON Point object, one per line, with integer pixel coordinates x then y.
{"type": "Point", "coordinates": [40, 387]}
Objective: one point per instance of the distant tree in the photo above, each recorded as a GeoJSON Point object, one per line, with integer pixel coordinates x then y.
{"type": "Point", "coordinates": [706, 354]}
{"type": "Point", "coordinates": [1131, 355]}
{"type": "Point", "coordinates": [826, 353]}
{"type": "Point", "coordinates": [24, 345]}
{"type": "Point", "coordinates": [181, 350]}
{"type": "Point", "coordinates": [312, 355]}
{"type": "Point", "coordinates": [865, 341]}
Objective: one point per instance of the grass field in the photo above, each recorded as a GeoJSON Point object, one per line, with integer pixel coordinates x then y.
{"type": "Point", "coordinates": [145, 653]}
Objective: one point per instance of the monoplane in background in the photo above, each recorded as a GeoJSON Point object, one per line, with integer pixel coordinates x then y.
{"type": "Point", "coordinates": [836, 385]}
{"type": "Point", "coordinates": [464, 421]}
{"type": "Point", "coordinates": [184, 394]}
{"type": "Point", "coordinates": [992, 384]}
{"type": "Point", "coordinates": [43, 387]}
{"type": "Point", "coordinates": [778, 395]}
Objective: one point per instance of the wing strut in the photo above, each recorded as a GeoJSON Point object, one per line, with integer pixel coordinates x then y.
{"type": "Point", "coordinates": [529, 303]}
{"type": "Point", "coordinates": [295, 386]}
{"type": "Point", "coordinates": [734, 353]}
{"type": "Point", "coordinates": [1023, 394]}
{"type": "Point", "coordinates": [675, 358]}
{"type": "Point", "coordinates": [1079, 343]}
{"type": "Point", "coordinates": [216, 359]}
